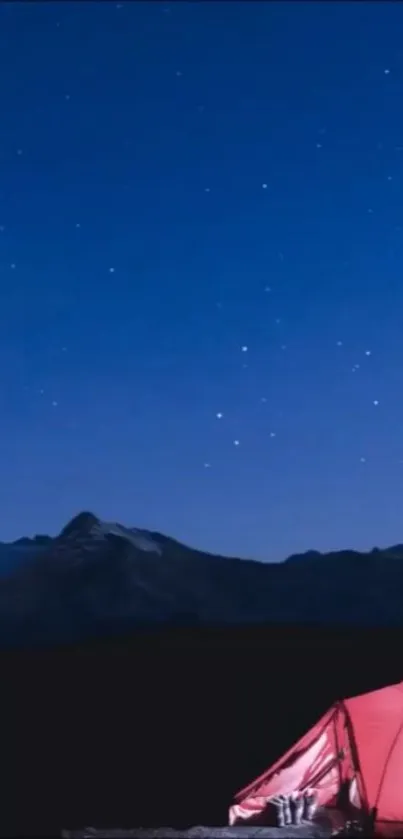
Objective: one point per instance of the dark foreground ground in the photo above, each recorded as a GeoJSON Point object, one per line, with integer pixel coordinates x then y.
{"type": "Point", "coordinates": [200, 832]}
{"type": "Point", "coordinates": [163, 729]}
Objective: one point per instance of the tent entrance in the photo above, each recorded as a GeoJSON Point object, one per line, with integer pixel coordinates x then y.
{"type": "Point", "coordinates": [324, 762]}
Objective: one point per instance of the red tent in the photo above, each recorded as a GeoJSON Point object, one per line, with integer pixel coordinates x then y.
{"type": "Point", "coordinates": [356, 746]}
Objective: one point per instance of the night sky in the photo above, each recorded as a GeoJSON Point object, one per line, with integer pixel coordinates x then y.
{"type": "Point", "coordinates": [201, 271]}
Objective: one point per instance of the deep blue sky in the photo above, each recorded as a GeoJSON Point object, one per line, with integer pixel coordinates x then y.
{"type": "Point", "coordinates": [179, 181]}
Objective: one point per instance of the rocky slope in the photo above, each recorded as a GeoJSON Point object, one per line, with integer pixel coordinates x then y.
{"type": "Point", "coordinates": [100, 577]}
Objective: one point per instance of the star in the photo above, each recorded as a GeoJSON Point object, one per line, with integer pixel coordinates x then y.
{"type": "Point", "coordinates": [375, 402]}
{"type": "Point", "coordinates": [244, 349]}
{"type": "Point", "coordinates": [219, 415]}
{"type": "Point", "coordinates": [236, 442]}
{"type": "Point", "coordinates": [111, 270]}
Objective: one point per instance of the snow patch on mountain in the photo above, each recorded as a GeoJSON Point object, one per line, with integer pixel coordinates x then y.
{"type": "Point", "coordinates": [140, 539]}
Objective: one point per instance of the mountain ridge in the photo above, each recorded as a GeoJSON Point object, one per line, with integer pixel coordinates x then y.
{"type": "Point", "coordinates": [97, 577]}
{"type": "Point", "coordinates": [84, 521]}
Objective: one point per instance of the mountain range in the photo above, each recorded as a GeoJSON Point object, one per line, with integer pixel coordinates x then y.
{"type": "Point", "coordinates": [99, 578]}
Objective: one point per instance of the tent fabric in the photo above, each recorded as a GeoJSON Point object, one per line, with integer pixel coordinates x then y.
{"type": "Point", "coordinates": [357, 745]}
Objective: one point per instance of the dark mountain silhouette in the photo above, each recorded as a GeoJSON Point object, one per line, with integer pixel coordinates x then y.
{"type": "Point", "coordinates": [100, 578]}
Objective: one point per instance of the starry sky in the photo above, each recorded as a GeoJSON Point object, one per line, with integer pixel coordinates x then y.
{"type": "Point", "coordinates": [201, 271]}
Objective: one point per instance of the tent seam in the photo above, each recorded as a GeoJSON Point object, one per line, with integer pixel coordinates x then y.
{"type": "Point", "coordinates": [355, 754]}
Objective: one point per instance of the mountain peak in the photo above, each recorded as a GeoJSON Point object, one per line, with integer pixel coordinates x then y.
{"type": "Point", "coordinates": [81, 524]}
{"type": "Point", "coordinates": [86, 528]}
